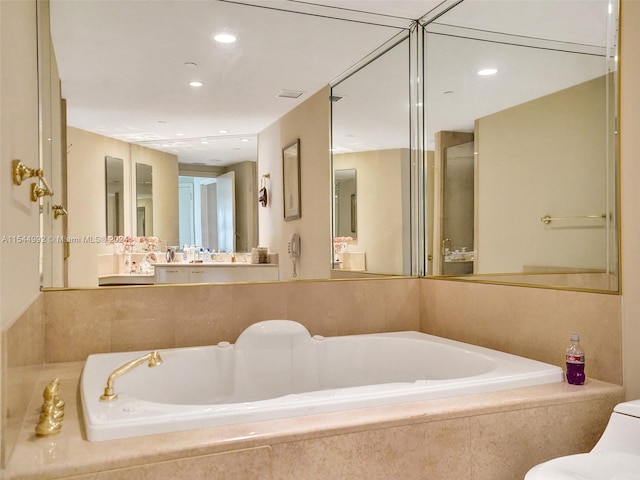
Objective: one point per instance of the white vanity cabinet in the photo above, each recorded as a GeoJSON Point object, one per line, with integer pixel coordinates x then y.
{"type": "Point", "coordinates": [215, 272]}
{"type": "Point", "coordinates": [170, 274]}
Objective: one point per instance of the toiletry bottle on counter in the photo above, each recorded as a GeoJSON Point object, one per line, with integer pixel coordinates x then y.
{"type": "Point", "coordinates": [575, 361]}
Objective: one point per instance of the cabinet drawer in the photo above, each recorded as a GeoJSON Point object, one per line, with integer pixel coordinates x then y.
{"type": "Point", "coordinates": [171, 275]}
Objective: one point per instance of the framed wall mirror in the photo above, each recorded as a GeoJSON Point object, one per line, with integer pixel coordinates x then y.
{"type": "Point", "coordinates": [114, 200]}
{"type": "Point", "coordinates": [345, 203]}
{"type": "Point", "coordinates": [144, 200]}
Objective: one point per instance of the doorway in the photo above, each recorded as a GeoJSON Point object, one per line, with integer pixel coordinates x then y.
{"type": "Point", "coordinates": [207, 212]}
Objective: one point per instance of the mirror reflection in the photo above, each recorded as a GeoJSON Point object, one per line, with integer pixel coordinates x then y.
{"type": "Point", "coordinates": [542, 110]}
{"type": "Point", "coordinates": [370, 135]}
{"type": "Point", "coordinates": [530, 113]}
{"type": "Point", "coordinates": [194, 109]}
{"type": "Point", "coordinates": [345, 203]}
{"type": "Point", "coordinates": [207, 212]}
{"type": "Point", "coordinates": [114, 175]}
{"type": "Point", "coordinates": [144, 200]}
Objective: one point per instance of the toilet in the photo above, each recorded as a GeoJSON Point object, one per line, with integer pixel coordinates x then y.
{"type": "Point", "coordinates": [616, 456]}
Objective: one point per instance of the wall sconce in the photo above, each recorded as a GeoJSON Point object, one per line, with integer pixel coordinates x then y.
{"type": "Point", "coordinates": [20, 172]}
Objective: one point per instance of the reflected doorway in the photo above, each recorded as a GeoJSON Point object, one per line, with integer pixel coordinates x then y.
{"type": "Point", "coordinates": [207, 212]}
{"type": "Point", "coordinates": [458, 210]}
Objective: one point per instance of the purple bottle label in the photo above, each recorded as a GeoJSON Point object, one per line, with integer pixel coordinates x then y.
{"type": "Point", "coordinates": [575, 369]}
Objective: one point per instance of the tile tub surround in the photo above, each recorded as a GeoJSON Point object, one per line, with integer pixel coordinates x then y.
{"type": "Point", "coordinates": [489, 436]}
{"type": "Point", "coordinates": [23, 358]}
{"type": "Point", "coordinates": [529, 322]}
{"type": "Point", "coordinates": [82, 322]}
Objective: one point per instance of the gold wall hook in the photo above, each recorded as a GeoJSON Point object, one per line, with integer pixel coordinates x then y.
{"type": "Point", "coordinates": [37, 192]}
{"type": "Point", "coordinates": [59, 211]}
{"type": "Point", "coordinates": [20, 172]}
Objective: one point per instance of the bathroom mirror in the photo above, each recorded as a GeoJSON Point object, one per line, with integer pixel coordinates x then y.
{"type": "Point", "coordinates": [114, 190]}
{"type": "Point", "coordinates": [234, 102]}
{"type": "Point", "coordinates": [370, 134]}
{"type": "Point", "coordinates": [533, 104]}
{"type": "Point", "coordinates": [345, 203]}
{"type": "Point", "coordinates": [144, 200]}
{"type": "Point", "coordinates": [389, 105]}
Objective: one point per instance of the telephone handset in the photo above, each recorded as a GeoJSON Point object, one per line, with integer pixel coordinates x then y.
{"type": "Point", "coordinates": [293, 248]}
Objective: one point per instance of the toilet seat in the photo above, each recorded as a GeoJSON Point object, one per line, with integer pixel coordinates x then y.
{"type": "Point", "coordinates": [589, 466]}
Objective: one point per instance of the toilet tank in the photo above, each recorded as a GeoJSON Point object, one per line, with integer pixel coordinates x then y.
{"type": "Point", "coordinates": [623, 430]}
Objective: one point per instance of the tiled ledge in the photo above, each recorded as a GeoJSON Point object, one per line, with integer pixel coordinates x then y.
{"type": "Point", "coordinates": [69, 453]}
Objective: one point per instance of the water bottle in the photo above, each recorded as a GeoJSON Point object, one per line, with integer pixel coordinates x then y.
{"type": "Point", "coordinates": [575, 361]}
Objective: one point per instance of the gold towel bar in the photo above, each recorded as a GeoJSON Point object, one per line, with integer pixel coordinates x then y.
{"type": "Point", "coordinates": [547, 219]}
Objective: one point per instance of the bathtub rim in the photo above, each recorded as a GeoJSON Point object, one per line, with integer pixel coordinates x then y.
{"type": "Point", "coordinates": [191, 416]}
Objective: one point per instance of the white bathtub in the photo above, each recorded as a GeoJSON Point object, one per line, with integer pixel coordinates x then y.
{"type": "Point", "coordinates": [276, 370]}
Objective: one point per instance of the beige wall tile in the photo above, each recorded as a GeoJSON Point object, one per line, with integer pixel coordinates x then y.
{"type": "Point", "coordinates": [23, 357]}
{"type": "Point", "coordinates": [531, 322]}
{"type": "Point", "coordinates": [506, 445]}
{"type": "Point", "coordinates": [439, 450]}
{"type": "Point", "coordinates": [253, 463]}
{"type": "Point", "coordinates": [77, 323]}
{"type": "Point", "coordinates": [82, 322]}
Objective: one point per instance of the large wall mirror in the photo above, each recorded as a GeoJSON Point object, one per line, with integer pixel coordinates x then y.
{"type": "Point", "coordinates": [544, 110]}
{"type": "Point", "coordinates": [521, 118]}
{"type": "Point", "coordinates": [371, 139]}
{"type": "Point", "coordinates": [195, 110]}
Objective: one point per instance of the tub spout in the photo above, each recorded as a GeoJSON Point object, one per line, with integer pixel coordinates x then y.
{"type": "Point", "coordinates": [152, 358]}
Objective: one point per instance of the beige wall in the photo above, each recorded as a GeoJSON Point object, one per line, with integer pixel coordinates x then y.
{"type": "Point", "coordinates": [630, 196]}
{"type": "Point", "coordinates": [382, 184]}
{"type": "Point", "coordinates": [86, 202]}
{"type": "Point", "coordinates": [19, 218]}
{"type": "Point", "coordinates": [310, 123]}
{"type": "Point", "coordinates": [561, 133]}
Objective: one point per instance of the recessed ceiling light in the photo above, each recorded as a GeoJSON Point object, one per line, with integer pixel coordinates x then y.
{"type": "Point", "coordinates": [223, 131]}
{"type": "Point", "coordinates": [487, 71]}
{"type": "Point", "coordinates": [204, 142]}
{"type": "Point", "coordinates": [244, 139]}
{"type": "Point", "coordinates": [195, 83]}
{"type": "Point", "coordinates": [179, 134]}
{"type": "Point", "coordinates": [225, 38]}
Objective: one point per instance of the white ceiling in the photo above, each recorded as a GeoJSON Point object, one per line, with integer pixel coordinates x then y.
{"type": "Point", "coordinates": [125, 65]}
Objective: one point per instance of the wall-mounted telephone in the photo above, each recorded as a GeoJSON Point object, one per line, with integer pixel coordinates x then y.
{"type": "Point", "coordinates": [293, 249]}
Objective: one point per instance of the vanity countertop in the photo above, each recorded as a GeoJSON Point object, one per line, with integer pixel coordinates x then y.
{"type": "Point", "coordinates": [214, 264]}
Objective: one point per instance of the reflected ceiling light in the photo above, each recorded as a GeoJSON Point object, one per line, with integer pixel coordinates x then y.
{"type": "Point", "coordinates": [487, 71]}
{"type": "Point", "coordinates": [204, 142]}
{"type": "Point", "coordinates": [224, 38]}
{"type": "Point", "coordinates": [195, 83]}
